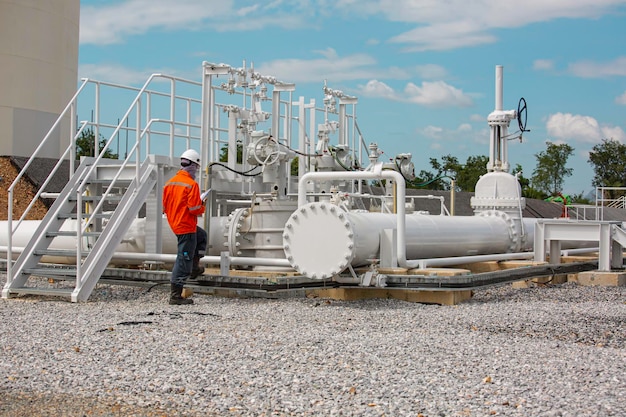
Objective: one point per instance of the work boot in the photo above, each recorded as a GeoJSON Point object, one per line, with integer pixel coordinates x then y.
{"type": "Point", "coordinates": [196, 269]}
{"type": "Point", "coordinates": [176, 297]}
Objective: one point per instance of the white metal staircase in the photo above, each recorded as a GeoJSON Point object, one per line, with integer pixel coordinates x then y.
{"type": "Point", "coordinates": [97, 233]}
{"type": "Point", "coordinates": [102, 197]}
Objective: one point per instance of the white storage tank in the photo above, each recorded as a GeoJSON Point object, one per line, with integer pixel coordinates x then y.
{"type": "Point", "coordinates": [38, 72]}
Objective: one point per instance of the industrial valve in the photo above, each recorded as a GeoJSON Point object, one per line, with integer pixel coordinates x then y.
{"type": "Point", "coordinates": [405, 166]}
{"type": "Point", "coordinates": [263, 150]}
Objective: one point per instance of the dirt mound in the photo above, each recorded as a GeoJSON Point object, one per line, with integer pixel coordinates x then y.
{"type": "Point", "coordinates": [23, 193]}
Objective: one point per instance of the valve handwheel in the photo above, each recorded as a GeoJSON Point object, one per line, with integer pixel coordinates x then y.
{"type": "Point", "coordinates": [272, 157]}
{"type": "Point", "coordinates": [522, 115]}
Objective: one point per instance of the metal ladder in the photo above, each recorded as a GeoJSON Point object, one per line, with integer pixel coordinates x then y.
{"type": "Point", "coordinates": [97, 233]}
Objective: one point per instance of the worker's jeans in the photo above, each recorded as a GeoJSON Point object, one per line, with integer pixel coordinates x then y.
{"type": "Point", "coordinates": [190, 245]}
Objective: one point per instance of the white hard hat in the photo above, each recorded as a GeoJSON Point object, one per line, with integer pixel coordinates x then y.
{"type": "Point", "coordinates": [191, 155]}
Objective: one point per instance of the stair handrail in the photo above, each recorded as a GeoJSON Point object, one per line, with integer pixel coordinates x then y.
{"type": "Point", "coordinates": [71, 107]}
{"type": "Point", "coordinates": [139, 137]}
{"type": "Point", "coordinates": [140, 134]}
{"type": "Point", "coordinates": [106, 193]}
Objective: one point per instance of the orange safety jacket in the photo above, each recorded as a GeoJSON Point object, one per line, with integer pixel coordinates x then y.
{"type": "Point", "coordinates": [182, 204]}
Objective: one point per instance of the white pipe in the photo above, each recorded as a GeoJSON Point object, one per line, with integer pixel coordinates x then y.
{"type": "Point", "coordinates": [499, 88]}
{"type": "Point", "coordinates": [170, 258]}
{"type": "Point", "coordinates": [133, 244]}
{"type": "Point", "coordinates": [376, 173]}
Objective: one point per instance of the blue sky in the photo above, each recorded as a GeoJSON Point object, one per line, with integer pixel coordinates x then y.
{"type": "Point", "coordinates": [423, 70]}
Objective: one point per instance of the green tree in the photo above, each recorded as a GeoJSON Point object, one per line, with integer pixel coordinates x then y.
{"type": "Point", "coordinates": [465, 175]}
{"type": "Point", "coordinates": [224, 153]}
{"type": "Point", "coordinates": [527, 190]}
{"type": "Point", "coordinates": [85, 143]}
{"type": "Point", "coordinates": [608, 159]}
{"type": "Point", "coordinates": [551, 169]}
{"type": "Point", "coordinates": [468, 175]}
{"type": "Point", "coordinates": [435, 181]}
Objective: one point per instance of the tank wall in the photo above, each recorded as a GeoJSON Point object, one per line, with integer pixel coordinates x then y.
{"type": "Point", "coordinates": [38, 72]}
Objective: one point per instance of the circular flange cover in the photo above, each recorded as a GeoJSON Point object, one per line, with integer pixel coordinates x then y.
{"type": "Point", "coordinates": [318, 240]}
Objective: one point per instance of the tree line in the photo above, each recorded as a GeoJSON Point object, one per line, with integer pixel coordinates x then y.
{"type": "Point", "coordinates": [607, 158]}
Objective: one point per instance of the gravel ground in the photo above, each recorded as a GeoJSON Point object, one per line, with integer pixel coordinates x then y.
{"type": "Point", "coordinates": [549, 351]}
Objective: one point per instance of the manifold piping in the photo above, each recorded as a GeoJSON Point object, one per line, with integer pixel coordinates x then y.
{"type": "Point", "coordinates": [376, 172]}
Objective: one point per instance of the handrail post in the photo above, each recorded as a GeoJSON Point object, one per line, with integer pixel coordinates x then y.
{"type": "Point", "coordinates": [10, 238]}
{"type": "Point", "coordinates": [138, 141]}
{"type": "Point", "coordinates": [96, 136]}
{"type": "Point", "coordinates": [73, 129]}
{"type": "Point", "coordinates": [79, 234]}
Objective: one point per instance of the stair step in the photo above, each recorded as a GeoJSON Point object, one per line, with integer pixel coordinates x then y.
{"type": "Point", "coordinates": [51, 272]}
{"type": "Point", "coordinates": [72, 233]}
{"type": "Point", "coordinates": [92, 198]}
{"type": "Point", "coordinates": [120, 182]}
{"type": "Point", "coordinates": [74, 216]}
{"type": "Point", "coordinates": [58, 252]}
{"type": "Point", "coordinates": [42, 291]}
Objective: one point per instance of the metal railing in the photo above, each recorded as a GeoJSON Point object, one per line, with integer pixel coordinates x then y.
{"type": "Point", "coordinates": [604, 199]}
{"type": "Point", "coordinates": [144, 95]}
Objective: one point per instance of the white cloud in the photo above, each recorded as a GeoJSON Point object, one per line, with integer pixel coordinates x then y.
{"type": "Point", "coordinates": [330, 67]}
{"type": "Point", "coordinates": [433, 132]}
{"type": "Point", "coordinates": [577, 128]}
{"type": "Point", "coordinates": [375, 88]}
{"type": "Point", "coordinates": [429, 94]}
{"type": "Point", "coordinates": [478, 118]}
{"type": "Point", "coordinates": [621, 99]}
{"type": "Point", "coordinates": [437, 94]}
{"type": "Point", "coordinates": [113, 23]}
{"type": "Point", "coordinates": [590, 69]}
{"type": "Point", "coordinates": [461, 23]}
{"type": "Point", "coordinates": [543, 64]}
{"type": "Point", "coordinates": [438, 25]}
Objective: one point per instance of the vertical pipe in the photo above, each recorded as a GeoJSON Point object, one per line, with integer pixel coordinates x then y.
{"type": "Point", "coordinates": [499, 88]}
{"type": "Point", "coordinates": [172, 110]}
{"type": "Point", "coordinates": [342, 124]}
{"type": "Point", "coordinates": [452, 196]}
{"type": "Point", "coordinates": [205, 107]}
{"type": "Point", "coordinates": [301, 136]}
{"type": "Point", "coordinates": [232, 139]}
{"type": "Point", "coordinates": [276, 114]}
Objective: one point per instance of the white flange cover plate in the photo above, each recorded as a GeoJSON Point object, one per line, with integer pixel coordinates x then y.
{"type": "Point", "coordinates": [318, 240]}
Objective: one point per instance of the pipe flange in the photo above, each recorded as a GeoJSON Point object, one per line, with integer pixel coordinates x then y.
{"type": "Point", "coordinates": [318, 240]}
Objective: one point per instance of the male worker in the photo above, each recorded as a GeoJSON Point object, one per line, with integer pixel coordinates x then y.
{"type": "Point", "coordinates": [182, 206]}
